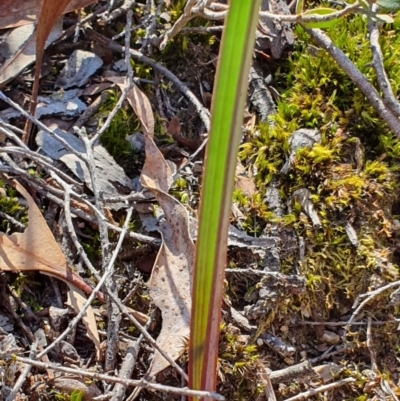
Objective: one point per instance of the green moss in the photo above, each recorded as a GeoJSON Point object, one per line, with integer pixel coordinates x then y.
{"type": "Point", "coordinates": [10, 205]}
{"type": "Point", "coordinates": [114, 139]}
{"type": "Point", "coordinates": [237, 366]}
{"type": "Point", "coordinates": [352, 173]}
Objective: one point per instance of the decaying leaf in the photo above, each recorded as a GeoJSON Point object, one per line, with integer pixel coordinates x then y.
{"type": "Point", "coordinates": [109, 173]}
{"type": "Point", "coordinates": [69, 384]}
{"type": "Point", "coordinates": [36, 249]}
{"type": "Point", "coordinates": [19, 50]}
{"type": "Point", "coordinates": [170, 282]}
{"type": "Point", "coordinates": [67, 104]}
{"type": "Point", "coordinates": [80, 66]}
{"type": "Point", "coordinates": [21, 12]}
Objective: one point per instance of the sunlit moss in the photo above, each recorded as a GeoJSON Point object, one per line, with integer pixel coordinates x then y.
{"type": "Point", "coordinates": [351, 174]}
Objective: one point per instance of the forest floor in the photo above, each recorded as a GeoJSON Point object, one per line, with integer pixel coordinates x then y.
{"type": "Point", "coordinates": [311, 292]}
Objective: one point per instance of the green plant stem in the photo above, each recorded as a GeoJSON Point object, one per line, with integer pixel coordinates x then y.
{"type": "Point", "coordinates": [221, 158]}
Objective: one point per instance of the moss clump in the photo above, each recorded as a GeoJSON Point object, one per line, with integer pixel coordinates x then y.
{"type": "Point", "coordinates": [11, 206]}
{"type": "Point", "coordinates": [237, 366]}
{"type": "Point", "coordinates": [114, 139]}
{"type": "Point", "coordinates": [351, 174]}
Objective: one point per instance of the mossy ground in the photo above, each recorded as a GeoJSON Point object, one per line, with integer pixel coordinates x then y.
{"type": "Point", "coordinates": [352, 176]}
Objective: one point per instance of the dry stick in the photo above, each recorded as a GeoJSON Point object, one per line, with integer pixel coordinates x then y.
{"type": "Point", "coordinates": [358, 78]}
{"type": "Point", "coordinates": [114, 316]}
{"type": "Point", "coordinates": [28, 313]}
{"type": "Point", "coordinates": [74, 322]}
{"type": "Point", "coordinates": [90, 111]}
{"type": "Point", "coordinates": [374, 323]}
{"type": "Point", "coordinates": [108, 17]}
{"type": "Point", "coordinates": [203, 29]}
{"type": "Point", "coordinates": [329, 354]}
{"type": "Point", "coordinates": [12, 220]}
{"type": "Point", "coordinates": [41, 126]}
{"type": "Point", "coordinates": [127, 382]}
{"type": "Point", "coordinates": [310, 393]}
{"type": "Point", "coordinates": [369, 296]}
{"type": "Point", "coordinates": [21, 379]}
{"type": "Point", "coordinates": [151, 28]}
{"type": "Point", "coordinates": [128, 364]}
{"type": "Point", "coordinates": [377, 61]}
{"type": "Point", "coordinates": [40, 159]}
{"type": "Point", "coordinates": [103, 397]}
{"type": "Point", "coordinates": [371, 348]}
{"type": "Point", "coordinates": [188, 14]}
{"type": "Point", "coordinates": [110, 117]}
{"type": "Point", "coordinates": [218, 11]}
{"type": "Point", "coordinates": [7, 130]}
{"type": "Point", "coordinates": [126, 89]}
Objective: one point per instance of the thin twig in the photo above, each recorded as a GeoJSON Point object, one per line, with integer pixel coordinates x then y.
{"type": "Point", "coordinates": [12, 220]}
{"type": "Point", "coordinates": [369, 297]}
{"type": "Point", "coordinates": [377, 61]}
{"type": "Point", "coordinates": [127, 382]}
{"type": "Point", "coordinates": [128, 364]}
{"type": "Point", "coordinates": [219, 12]}
{"type": "Point", "coordinates": [21, 379]}
{"type": "Point", "coordinates": [371, 348]}
{"type": "Point", "coordinates": [42, 126]}
{"type": "Point", "coordinates": [358, 78]}
{"type": "Point", "coordinates": [315, 391]}
{"type": "Point", "coordinates": [203, 112]}
{"type": "Point", "coordinates": [114, 316]}
{"type": "Point", "coordinates": [40, 159]}
{"type": "Point", "coordinates": [7, 130]}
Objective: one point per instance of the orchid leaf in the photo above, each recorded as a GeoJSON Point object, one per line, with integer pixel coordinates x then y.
{"type": "Point", "coordinates": [211, 249]}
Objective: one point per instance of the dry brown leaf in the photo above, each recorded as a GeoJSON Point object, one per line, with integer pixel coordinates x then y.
{"type": "Point", "coordinates": [15, 13]}
{"type": "Point", "coordinates": [49, 13]}
{"type": "Point", "coordinates": [170, 282]}
{"type": "Point", "coordinates": [36, 248]}
{"type": "Point", "coordinates": [69, 384]}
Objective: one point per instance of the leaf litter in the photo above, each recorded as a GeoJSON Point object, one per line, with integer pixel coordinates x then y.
{"type": "Point", "coordinates": [35, 249]}
{"type": "Point", "coordinates": [169, 284]}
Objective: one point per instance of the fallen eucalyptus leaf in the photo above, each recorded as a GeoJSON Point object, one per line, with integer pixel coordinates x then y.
{"type": "Point", "coordinates": [170, 285]}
